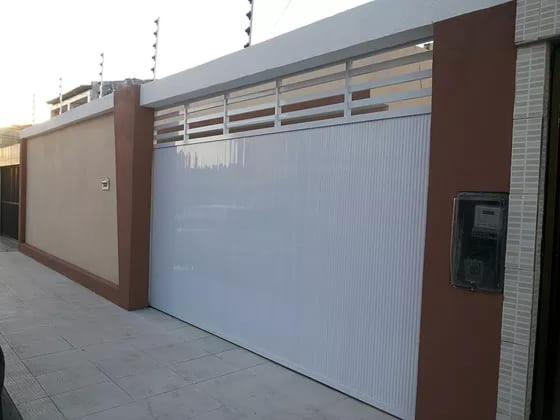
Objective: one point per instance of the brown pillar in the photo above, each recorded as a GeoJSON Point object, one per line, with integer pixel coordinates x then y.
{"type": "Point", "coordinates": [473, 91]}
{"type": "Point", "coordinates": [133, 149]}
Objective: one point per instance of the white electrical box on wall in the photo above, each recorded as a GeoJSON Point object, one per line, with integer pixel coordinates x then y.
{"type": "Point", "coordinates": [105, 184]}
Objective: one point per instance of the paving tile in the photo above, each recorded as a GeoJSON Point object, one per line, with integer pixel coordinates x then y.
{"type": "Point", "coordinates": [10, 355]}
{"type": "Point", "coordinates": [222, 413]}
{"type": "Point", "coordinates": [241, 358]}
{"type": "Point", "coordinates": [31, 335]}
{"type": "Point", "coordinates": [174, 353]}
{"type": "Point", "coordinates": [271, 406]}
{"type": "Point", "coordinates": [133, 411]}
{"type": "Point", "coordinates": [278, 394]}
{"type": "Point", "coordinates": [272, 375]}
{"type": "Point", "coordinates": [203, 368]}
{"type": "Point", "coordinates": [88, 335]}
{"type": "Point", "coordinates": [23, 388]}
{"type": "Point", "coordinates": [148, 382]}
{"type": "Point", "coordinates": [40, 347]}
{"type": "Point", "coordinates": [42, 409]}
{"type": "Point", "coordinates": [20, 323]}
{"type": "Point", "coordinates": [301, 391]}
{"type": "Point", "coordinates": [188, 332]}
{"type": "Point", "coordinates": [350, 409]}
{"type": "Point", "coordinates": [103, 351]}
{"type": "Point", "coordinates": [149, 341]}
{"type": "Point", "coordinates": [213, 344]}
{"type": "Point", "coordinates": [127, 364]}
{"type": "Point", "coordinates": [85, 299]}
{"type": "Point", "coordinates": [71, 378]}
{"type": "Point", "coordinates": [159, 319]}
{"type": "Point", "coordinates": [56, 361]}
{"type": "Point", "coordinates": [90, 399]}
{"type": "Point", "coordinates": [233, 387]}
{"type": "Point", "coordinates": [182, 403]}
{"type": "Point", "coordinates": [14, 368]}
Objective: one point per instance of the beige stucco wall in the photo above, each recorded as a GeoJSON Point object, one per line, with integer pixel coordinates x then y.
{"type": "Point", "coordinates": [68, 215]}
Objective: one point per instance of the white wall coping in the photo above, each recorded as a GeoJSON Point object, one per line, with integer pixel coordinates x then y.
{"type": "Point", "coordinates": [83, 112]}
{"type": "Point", "coordinates": [371, 27]}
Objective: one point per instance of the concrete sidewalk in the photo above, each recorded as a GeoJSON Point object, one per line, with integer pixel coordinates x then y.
{"type": "Point", "coordinates": [71, 354]}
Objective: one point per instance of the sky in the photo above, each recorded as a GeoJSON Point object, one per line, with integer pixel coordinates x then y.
{"type": "Point", "coordinates": [43, 40]}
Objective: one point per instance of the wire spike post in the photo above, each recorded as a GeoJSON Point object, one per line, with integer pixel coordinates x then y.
{"type": "Point", "coordinates": [60, 95]}
{"type": "Point", "coordinates": [101, 66]}
{"type": "Point", "coordinates": [155, 46]}
{"type": "Point", "coordinates": [249, 29]}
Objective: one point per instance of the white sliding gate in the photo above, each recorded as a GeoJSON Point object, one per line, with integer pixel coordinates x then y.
{"type": "Point", "coordinates": [302, 242]}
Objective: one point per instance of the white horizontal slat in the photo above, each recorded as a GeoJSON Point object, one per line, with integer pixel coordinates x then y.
{"type": "Point", "coordinates": [396, 113]}
{"type": "Point", "coordinates": [159, 112]}
{"type": "Point", "coordinates": [317, 111]}
{"type": "Point", "coordinates": [306, 98]}
{"type": "Point", "coordinates": [390, 64]}
{"type": "Point", "coordinates": [260, 107]}
{"type": "Point", "coordinates": [313, 82]}
{"type": "Point", "coordinates": [195, 107]}
{"type": "Point", "coordinates": [252, 95]}
{"type": "Point", "coordinates": [204, 139]}
{"type": "Point", "coordinates": [167, 136]}
{"type": "Point", "coordinates": [204, 117]}
{"type": "Point", "coordinates": [177, 122]}
{"type": "Point", "coordinates": [408, 77]}
{"type": "Point", "coordinates": [205, 128]}
{"type": "Point", "coordinates": [251, 121]}
{"type": "Point", "coordinates": [401, 96]}
{"type": "Point", "coordinates": [171, 119]}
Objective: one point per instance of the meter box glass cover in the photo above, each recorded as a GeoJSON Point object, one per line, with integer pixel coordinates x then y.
{"type": "Point", "coordinates": [478, 241]}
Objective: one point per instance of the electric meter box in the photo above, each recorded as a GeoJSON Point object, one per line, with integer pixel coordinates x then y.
{"type": "Point", "coordinates": [479, 241]}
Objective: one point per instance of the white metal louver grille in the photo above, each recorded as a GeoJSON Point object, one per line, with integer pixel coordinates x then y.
{"type": "Point", "coordinates": [382, 85]}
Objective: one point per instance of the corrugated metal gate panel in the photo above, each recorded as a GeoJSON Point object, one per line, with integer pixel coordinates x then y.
{"type": "Point", "coordinates": [305, 246]}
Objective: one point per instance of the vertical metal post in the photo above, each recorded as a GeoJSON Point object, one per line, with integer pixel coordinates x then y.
{"type": "Point", "coordinates": [347, 92]}
{"type": "Point", "coordinates": [185, 123]}
{"type": "Point", "coordinates": [251, 23]}
{"type": "Point", "coordinates": [155, 45]}
{"type": "Point", "coordinates": [277, 107]}
{"type": "Point", "coordinates": [60, 95]}
{"type": "Point", "coordinates": [101, 65]}
{"type": "Point", "coordinates": [249, 29]}
{"type": "Point", "coordinates": [226, 97]}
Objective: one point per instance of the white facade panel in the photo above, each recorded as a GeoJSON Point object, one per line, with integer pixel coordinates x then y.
{"type": "Point", "coordinates": [304, 246]}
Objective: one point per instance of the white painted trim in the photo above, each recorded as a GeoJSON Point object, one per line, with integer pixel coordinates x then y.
{"type": "Point", "coordinates": [375, 26]}
{"type": "Point", "coordinates": [87, 111]}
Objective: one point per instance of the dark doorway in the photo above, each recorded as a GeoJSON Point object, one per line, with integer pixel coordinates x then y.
{"type": "Point", "coordinates": [545, 403]}
{"type": "Point", "coordinates": [9, 200]}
